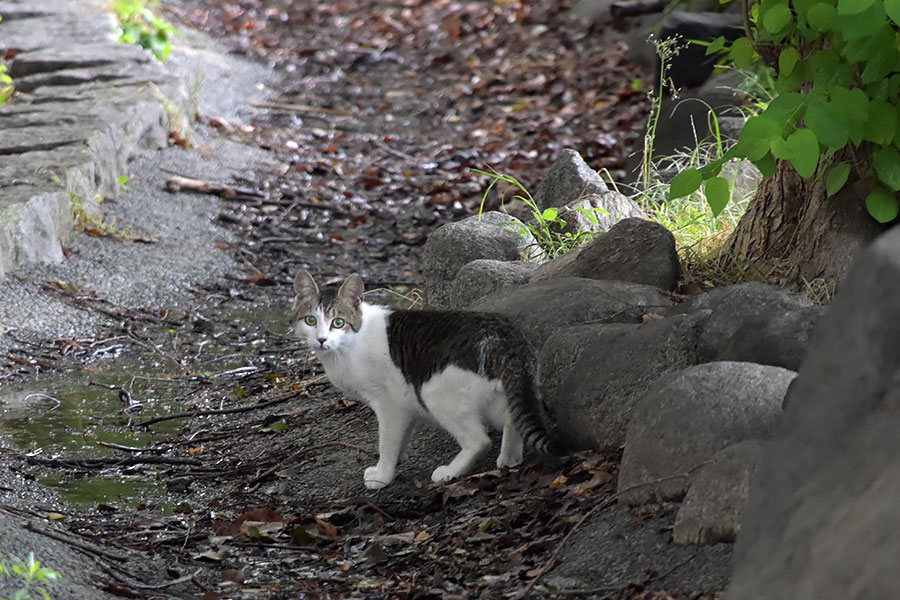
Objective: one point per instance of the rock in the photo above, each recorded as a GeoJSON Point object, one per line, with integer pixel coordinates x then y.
{"type": "Point", "coordinates": [711, 511]}
{"type": "Point", "coordinates": [483, 276]}
{"type": "Point", "coordinates": [454, 245]}
{"type": "Point", "coordinates": [542, 306]}
{"type": "Point", "coordinates": [597, 212]}
{"type": "Point", "coordinates": [592, 375]}
{"type": "Point", "coordinates": [822, 516]}
{"type": "Point", "coordinates": [633, 250]}
{"type": "Point", "coordinates": [691, 66]}
{"type": "Point", "coordinates": [568, 179]}
{"type": "Point", "coordinates": [688, 416]}
{"type": "Point", "coordinates": [779, 339]}
{"type": "Point", "coordinates": [734, 305]}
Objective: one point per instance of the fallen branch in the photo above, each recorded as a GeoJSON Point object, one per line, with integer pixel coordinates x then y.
{"type": "Point", "coordinates": [75, 543]}
{"type": "Point", "coordinates": [223, 190]}
{"type": "Point", "coordinates": [101, 463]}
{"type": "Point", "coordinates": [553, 555]}
{"type": "Point", "coordinates": [225, 411]}
{"type": "Point", "coordinates": [630, 8]}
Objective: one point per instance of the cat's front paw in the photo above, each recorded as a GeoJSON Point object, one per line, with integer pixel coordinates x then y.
{"type": "Point", "coordinates": [375, 479]}
{"type": "Point", "coordinates": [443, 473]}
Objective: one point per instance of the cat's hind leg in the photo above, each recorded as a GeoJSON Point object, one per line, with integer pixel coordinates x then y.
{"type": "Point", "coordinates": [474, 443]}
{"type": "Point", "coordinates": [510, 447]}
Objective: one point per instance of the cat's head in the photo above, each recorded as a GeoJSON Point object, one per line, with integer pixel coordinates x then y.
{"type": "Point", "coordinates": [328, 319]}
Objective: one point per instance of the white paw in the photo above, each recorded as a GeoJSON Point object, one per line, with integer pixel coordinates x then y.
{"type": "Point", "coordinates": [374, 479]}
{"type": "Point", "coordinates": [509, 461]}
{"type": "Point", "coordinates": [442, 473]}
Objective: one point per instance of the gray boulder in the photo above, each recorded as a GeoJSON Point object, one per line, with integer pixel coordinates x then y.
{"type": "Point", "coordinates": [542, 306]}
{"type": "Point", "coordinates": [454, 245]}
{"type": "Point", "coordinates": [822, 518]}
{"type": "Point", "coordinates": [734, 306]}
{"type": "Point", "coordinates": [483, 276]}
{"type": "Point", "coordinates": [688, 416]}
{"type": "Point", "coordinates": [633, 250]}
{"type": "Point", "coordinates": [779, 338]}
{"type": "Point", "coordinates": [691, 66]}
{"type": "Point", "coordinates": [598, 212]}
{"type": "Point", "coordinates": [712, 509]}
{"type": "Point", "coordinates": [568, 179]}
{"type": "Point", "coordinates": [592, 375]}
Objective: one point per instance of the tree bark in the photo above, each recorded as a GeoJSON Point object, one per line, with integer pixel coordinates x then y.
{"type": "Point", "coordinates": [793, 234]}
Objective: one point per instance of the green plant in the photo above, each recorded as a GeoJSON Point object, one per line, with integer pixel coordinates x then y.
{"type": "Point", "coordinates": [550, 238]}
{"type": "Point", "coordinates": [37, 580]}
{"type": "Point", "coordinates": [698, 229]}
{"type": "Point", "coordinates": [836, 109]}
{"type": "Point", "coordinates": [6, 83]}
{"type": "Point", "coordinates": [141, 26]}
{"type": "Point", "coordinates": [93, 225]}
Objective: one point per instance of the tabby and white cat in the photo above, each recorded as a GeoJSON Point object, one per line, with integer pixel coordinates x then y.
{"type": "Point", "coordinates": [465, 371]}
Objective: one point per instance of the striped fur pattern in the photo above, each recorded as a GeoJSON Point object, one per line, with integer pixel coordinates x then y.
{"type": "Point", "coordinates": [465, 371]}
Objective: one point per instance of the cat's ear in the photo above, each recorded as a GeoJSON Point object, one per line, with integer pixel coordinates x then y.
{"type": "Point", "coordinates": [352, 290]}
{"type": "Point", "coordinates": [305, 286]}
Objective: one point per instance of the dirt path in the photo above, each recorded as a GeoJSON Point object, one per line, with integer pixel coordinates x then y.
{"type": "Point", "coordinates": [252, 462]}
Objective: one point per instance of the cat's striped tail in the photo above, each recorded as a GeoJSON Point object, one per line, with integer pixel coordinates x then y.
{"type": "Point", "coordinates": [520, 383]}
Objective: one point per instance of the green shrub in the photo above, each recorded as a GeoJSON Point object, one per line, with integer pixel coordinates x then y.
{"type": "Point", "coordinates": [837, 65]}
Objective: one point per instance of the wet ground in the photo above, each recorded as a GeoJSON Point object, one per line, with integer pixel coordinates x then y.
{"type": "Point", "coordinates": [200, 442]}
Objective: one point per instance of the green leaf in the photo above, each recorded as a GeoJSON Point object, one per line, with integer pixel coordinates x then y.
{"type": "Point", "coordinates": [766, 165]}
{"type": "Point", "coordinates": [717, 45]}
{"type": "Point", "coordinates": [852, 7]}
{"type": "Point", "coordinates": [892, 7]}
{"type": "Point", "coordinates": [804, 150]}
{"type": "Point", "coordinates": [787, 60]}
{"type": "Point", "coordinates": [882, 205]}
{"type": "Point", "coordinates": [757, 135]}
{"type": "Point", "coordinates": [741, 53]}
{"type": "Point", "coordinates": [828, 125]}
{"type": "Point", "coordinates": [882, 122]}
{"type": "Point", "coordinates": [836, 178]}
{"type": "Point", "coordinates": [686, 182]}
{"type": "Point", "coordinates": [776, 18]}
{"type": "Point", "coordinates": [717, 194]}
{"type": "Point", "coordinates": [821, 16]}
{"type": "Point", "coordinates": [550, 214]}
{"type": "Point", "coordinates": [862, 24]}
{"type": "Point", "coordinates": [887, 166]}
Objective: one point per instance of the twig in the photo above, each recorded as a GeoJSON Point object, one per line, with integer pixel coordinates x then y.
{"type": "Point", "coordinates": [165, 584]}
{"type": "Point", "coordinates": [224, 411]}
{"type": "Point", "coordinates": [271, 470]}
{"type": "Point", "coordinates": [75, 543]}
{"type": "Point", "coordinates": [99, 463]}
{"type": "Point", "coordinates": [177, 183]}
{"type": "Point", "coordinates": [553, 555]}
{"type": "Point", "coordinates": [128, 448]}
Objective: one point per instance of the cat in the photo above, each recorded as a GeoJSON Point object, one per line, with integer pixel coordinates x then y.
{"type": "Point", "coordinates": [466, 371]}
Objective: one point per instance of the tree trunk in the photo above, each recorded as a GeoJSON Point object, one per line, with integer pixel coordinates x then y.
{"type": "Point", "coordinates": [793, 234]}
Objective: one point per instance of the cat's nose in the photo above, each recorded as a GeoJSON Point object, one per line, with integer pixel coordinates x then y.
{"type": "Point", "coordinates": [321, 340]}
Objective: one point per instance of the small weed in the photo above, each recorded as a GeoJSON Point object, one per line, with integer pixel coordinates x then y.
{"type": "Point", "coordinates": [550, 240]}
{"type": "Point", "coordinates": [818, 290]}
{"type": "Point", "coordinates": [141, 26]}
{"type": "Point", "coordinates": [36, 580]}
{"type": "Point", "coordinates": [6, 83]}
{"type": "Point", "coordinates": [92, 225]}
{"type": "Point", "coordinates": [700, 221]}
{"type": "Point", "coordinates": [123, 183]}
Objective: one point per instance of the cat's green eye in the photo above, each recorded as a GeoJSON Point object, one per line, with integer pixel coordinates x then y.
{"type": "Point", "coordinates": [337, 323]}
{"type": "Point", "coordinates": [310, 320]}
